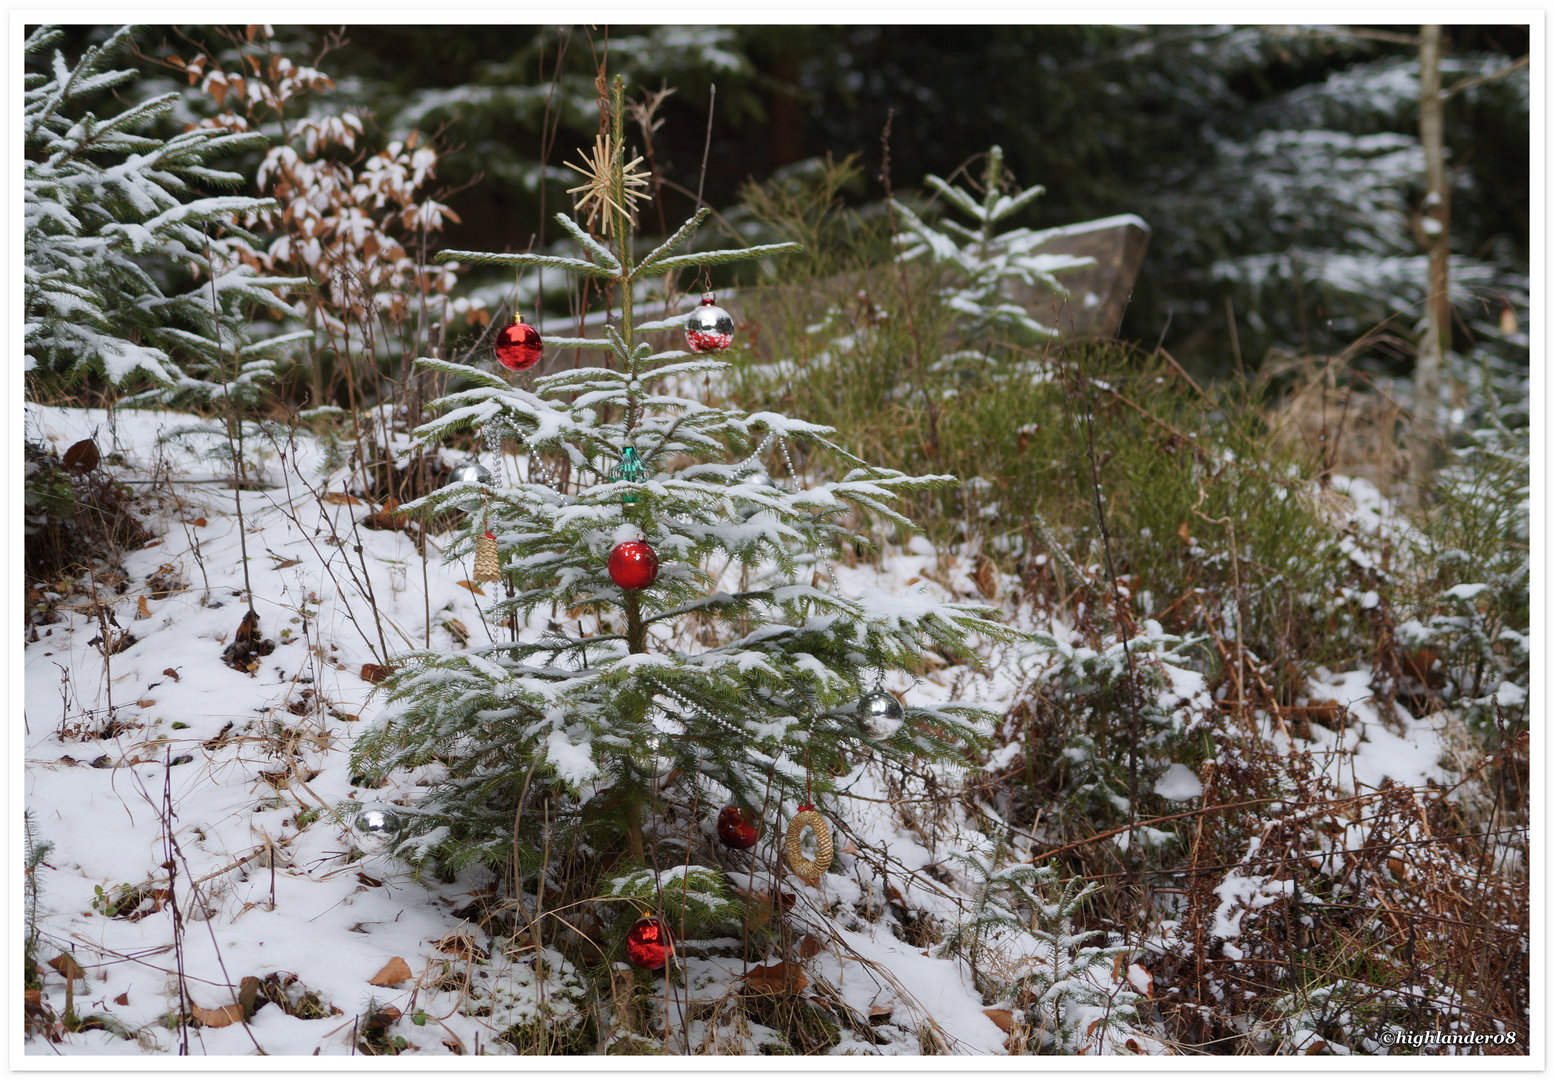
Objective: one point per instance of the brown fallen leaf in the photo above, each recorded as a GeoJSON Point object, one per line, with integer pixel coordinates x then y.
{"type": "Point", "coordinates": [390, 517]}
{"type": "Point", "coordinates": [225, 1016]}
{"type": "Point", "coordinates": [141, 610]}
{"type": "Point", "coordinates": [1185, 532]}
{"type": "Point", "coordinates": [284, 563]}
{"type": "Point", "coordinates": [472, 587]}
{"type": "Point", "coordinates": [66, 965]}
{"type": "Point", "coordinates": [146, 703]}
{"type": "Point", "coordinates": [880, 1014]}
{"type": "Point", "coordinates": [198, 523]}
{"type": "Point", "coordinates": [986, 578]}
{"type": "Point", "coordinates": [340, 498]}
{"type": "Point", "coordinates": [248, 995]}
{"type": "Point", "coordinates": [460, 945]}
{"type": "Point", "coordinates": [1421, 666]}
{"type": "Point", "coordinates": [1002, 1017]}
{"type": "Point", "coordinates": [172, 674]}
{"type": "Point", "coordinates": [34, 997]}
{"type": "Point", "coordinates": [809, 945]}
{"type": "Point", "coordinates": [781, 978]}
{"type": "Point", "coordinates": [122, 999]}
{"type": "Point", "coordinates": [248, 629]}
{"type": "Point", "coordinates": [375, 673]}
{"type": "Point", "coordinates": [394, 972]}
{"type": "Point", "coordinates": [82, 456]}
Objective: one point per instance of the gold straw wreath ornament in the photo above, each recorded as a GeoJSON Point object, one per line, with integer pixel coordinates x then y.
{"type": "Point", "coordinates": [808, 869]}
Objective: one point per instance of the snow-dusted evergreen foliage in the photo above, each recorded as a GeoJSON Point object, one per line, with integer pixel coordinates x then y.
{"type": "Point", "coordinates": [741, 661]}
{"type": "Point", "coordinates": [1021, 942]}
{"type": "Point", "coordinates": [1089, 687]}
{"type": "Point", "coordinates": [987, 265]}
{"type": "Point", "coordinates": [1480, 540]}
{"type": "Point", "coordinates": [1317, 191]}
{"type": "Point", "coordinates": [114, 223]}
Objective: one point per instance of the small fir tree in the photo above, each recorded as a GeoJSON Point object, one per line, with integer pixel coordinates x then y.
{"type": "Point", "coordinates": [988, 265]}
{"type": "Point", "coordinates": [693, 690]}
{"type": "Point", "coordinates": [113, 226]}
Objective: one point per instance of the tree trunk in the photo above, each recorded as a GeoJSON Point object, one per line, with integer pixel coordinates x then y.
{"type": "Point", "coordinates": [1435, 235]}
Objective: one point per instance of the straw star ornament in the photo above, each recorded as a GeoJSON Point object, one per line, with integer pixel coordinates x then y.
{"type": "Point", "coordinates": [603, 189]}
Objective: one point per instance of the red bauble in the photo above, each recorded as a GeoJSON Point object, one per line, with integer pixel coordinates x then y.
{"type": "Point", "coordinates": [736, 829]}
{"type": "Point", "coordinates": [518, 347]}
{"type": "Point", "coordinates": [649, 943]}
{"type": "Point", "coordinates": [633, 564]}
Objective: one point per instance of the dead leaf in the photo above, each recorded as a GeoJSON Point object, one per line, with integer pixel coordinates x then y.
{"type": "Point", "coordinates": [82, 456]}
{"type": "Point", "coordinates": [460, 945]}
{"type": "Point", "coordinates": [809, 945]}
{"type": "Point", "coordinates": [458, 631]}
{"type": "Point", "coordinates": [35, 997]}
{"type": "Point", "coordinates": [781, 978]}
{"type": "Point", "coordinates": [146, 703]}
{"type": "Point", "coordinates": [248, 995]}
{"type": "Point", "coordinates": [340, 498]}
{"type": "Point", "coordinates": [375, 673]}
{"type": "Point", "coordinates": [1002, 1017]}
{"type": "Point", "coordinates": [284, 563]}
{"type": "Point", "coordinates": [472, 587]}
{"type": "Point", "coordinates": [122, 999]}
{"type": "Point", "coordinates": [225, 1016]}
{"type": "Point", "coordinates": [248, 629]}
{"type": "Point", "coordinates": [880, 1014]}
{"type": "Point", "coordinates": [66, 965]}
{"type": "Point", "coordinates": [390, 517]}
{"type": "Point", "coordinates": [198, 523]}
{"type": "Point", "coordinates": [1318, 1047]}
{"type": "Point", "coordinates": [986, 578]}
{"type": "Point", "coordinates": [141, 610]}
{"type": "Point", "coordinates": [1421, 666]}
{"type": "Point", "coordinates": [394, 972]}
{"type": "Point", "coordinates": [1185, 532]}
{"type": "Point", "coordinates": [170, 673]}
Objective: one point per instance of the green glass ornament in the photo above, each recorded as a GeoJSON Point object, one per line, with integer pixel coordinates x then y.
{"type": "Point", "coordinates": [630, 470]}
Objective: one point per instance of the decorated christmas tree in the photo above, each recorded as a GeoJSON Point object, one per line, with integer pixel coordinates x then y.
{"type": "Point", "coordinates": [674, 658]}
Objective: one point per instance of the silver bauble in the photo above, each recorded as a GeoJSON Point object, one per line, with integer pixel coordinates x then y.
{"type": "Point", "coordinates": [880, 715]}
{"type": "Point", "coordinates": [710, 328]}
{"type": "Point", "coordinates": [470, 470]}
{"type": "Point", "coordinates": [376, 828]}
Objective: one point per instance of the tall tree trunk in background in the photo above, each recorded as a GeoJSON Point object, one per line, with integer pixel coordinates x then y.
{"type": "Point", "coordinates": [1435, 234]}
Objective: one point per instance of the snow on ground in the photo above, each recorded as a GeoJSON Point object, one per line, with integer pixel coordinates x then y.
{"type": "Point", "coordinates": [195, 734]}
{"type": "Point", "coordinates": [164, 731]}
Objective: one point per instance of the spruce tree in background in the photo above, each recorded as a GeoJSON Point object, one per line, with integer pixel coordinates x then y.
{"type": "Point", "coordinates": [113, 222]}
{"type": "Point", "coordinates": [733, 677]}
